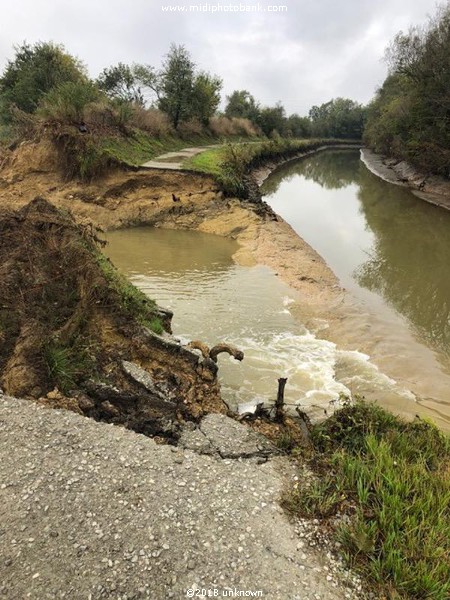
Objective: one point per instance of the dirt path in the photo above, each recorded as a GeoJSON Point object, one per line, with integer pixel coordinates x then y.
{"type": "Point", "coordinates": [174, 160]}
{"type": "Point", "coordinates": [92, 511]}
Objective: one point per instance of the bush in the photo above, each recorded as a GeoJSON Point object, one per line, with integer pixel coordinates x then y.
{"type": "Point", "coordinates": [67, 102]}
{"type": "Point", "coordinates": [190, 128]}
{"type": "Point", "coordinates": [234, 126]}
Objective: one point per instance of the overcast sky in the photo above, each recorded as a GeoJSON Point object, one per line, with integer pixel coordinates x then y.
{"type": "Point", "coordinates": [314, 51]}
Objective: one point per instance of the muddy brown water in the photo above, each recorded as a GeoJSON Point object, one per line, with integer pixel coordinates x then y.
{"type": "Point", "coordinates": [391, 251]}
{"type": "Point", "coordinates": [215, 300]}
{"type": "Point", "coordinates": [388, 341]}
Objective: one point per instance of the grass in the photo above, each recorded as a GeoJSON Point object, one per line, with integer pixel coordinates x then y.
{"type": "Point", "coordinates": [135, 302]}
{"type": "Point", "coordinates": [208, 161]}
{"type": "Point", "coordinates": [66, 364]}
{"type": "Point", "coordinates": [393, 479]}
{"type": "Point", "coordinates": [140, 147]}
{"type": "Point", "coordinates": [232, 163]}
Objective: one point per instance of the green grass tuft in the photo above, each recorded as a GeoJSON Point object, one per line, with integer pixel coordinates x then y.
{"type": "Point", "coordinates": [393, 479]}
{"type": "Point", "coordinates": [67, 364]}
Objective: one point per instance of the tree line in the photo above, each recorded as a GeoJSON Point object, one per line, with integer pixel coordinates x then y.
{"type": "Point", "coordinates": [409, 117]}
{"type": "Point", "coordinates": [44, 78]}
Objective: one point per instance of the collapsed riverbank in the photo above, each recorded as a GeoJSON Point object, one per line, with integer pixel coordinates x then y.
{"type": "Point", "coordinates": [148, 198]}
{"type": "Point", "coordinates": [186, 200]}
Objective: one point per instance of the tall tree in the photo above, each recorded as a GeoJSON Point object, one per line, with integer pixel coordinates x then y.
{"type": "Point", "coordinates": [176, 85]}
{"type": "Point", "coordinates": [340, 118]}
{"type": "Point", "coordinates": [128, 83]}
{"type": "Point", "coordinates": [243, 105]}
{"type": "Point", "coordinates": [272, 120]}
{"type": "Point", "coordinates": [205, 96]}
{"type": "Point", "coordinates": [410, 115]}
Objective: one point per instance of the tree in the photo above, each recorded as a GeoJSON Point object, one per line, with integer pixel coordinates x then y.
{"type": "Point", "coordinates": [176, 84]}
{"type": "Point", "coordinates": [243, 105]}
{"type": "Point", "coordinates": [34, 71]}
{"type": "Point", "coordinates": [409, 117]}
{"type": "Point", "coordinates": [128, 83]}
{"type": "Point", "coordinates": [272, 120]}
{"type": "Point", "coordinates": [340, 118]}
{"type": "Point", "coordinates": [205, 96]}
{"type": "Point", "coordinates": [298, 127]}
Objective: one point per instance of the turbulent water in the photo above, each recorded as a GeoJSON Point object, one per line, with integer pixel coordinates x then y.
{"type": "Point", "coordinates": [389, 249]}
{"type": "Point", "coordinates": [215, 300]}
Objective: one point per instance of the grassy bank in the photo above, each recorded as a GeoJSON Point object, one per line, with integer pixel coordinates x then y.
{"type": "Point", "coordinates": [232, 163]}
{"type": "Point", "coordinates": [391, 481]}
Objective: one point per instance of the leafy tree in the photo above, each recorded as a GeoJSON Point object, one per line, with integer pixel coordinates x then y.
{"type": "Point", "coordinates": [176, 85]}
{"type": "Point", "coordinates": [34, 71]}
{"type": "Point", "coordinates": [298, 127]}
{"type": "Point", "coordinates": [127, 83]}
{"type": "Point", "coordinates": [339, 118]}
{"type": "Point", "coordinates": [272, 120]}
{"type": "Point", "coordinates": [242, 104]}
{"type": "Point", "coordinates": [409, 117]}
{"type": "Point", "coordinates": [205, 96]}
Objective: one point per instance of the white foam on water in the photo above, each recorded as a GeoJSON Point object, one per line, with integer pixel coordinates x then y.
{"type": "Point", "coordinates": [358, 373]}
{"type": "Point", "coordinates": [305, 360]}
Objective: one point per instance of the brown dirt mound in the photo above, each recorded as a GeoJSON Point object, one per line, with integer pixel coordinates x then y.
{"type": "Point", "coordinates": [69, 321]}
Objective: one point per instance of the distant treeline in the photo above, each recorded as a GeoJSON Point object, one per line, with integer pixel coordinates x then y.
{"type": "Point", "coordinates": [410, 115]}
{"type": "Point", "coordinates": [44, 87]}
{"type": "Point", "coordinates": [45, 81]}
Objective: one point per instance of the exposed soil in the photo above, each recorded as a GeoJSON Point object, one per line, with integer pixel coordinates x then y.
{"type": "Point", "coordinates": [65, 323]}
{"type": "Point", "coordinates": [431, 188]}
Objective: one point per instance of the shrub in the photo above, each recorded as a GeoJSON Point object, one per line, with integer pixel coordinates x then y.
{"type": "Point", "coordinates": [190, 128]}
{"type": "Point", "coordinates": [151, 120]}
{"type": "Point", "coordinates": [67, 102]}
{"type": "Point", "coordinates": [234, 126]}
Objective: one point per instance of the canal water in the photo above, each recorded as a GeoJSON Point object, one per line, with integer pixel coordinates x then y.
{"type": "Point", "coordinates": [388, 248]}
{"type": "Point", "coordinates": [391, 250]}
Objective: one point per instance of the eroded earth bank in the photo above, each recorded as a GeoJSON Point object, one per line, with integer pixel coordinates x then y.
{"type": "Point", "coordinates": [88, 508]}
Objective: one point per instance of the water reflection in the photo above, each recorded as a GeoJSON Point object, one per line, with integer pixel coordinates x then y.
{"type": "Point", "coordinates": [376, 236]}
{"type": "Point", "coordinates": [331, 170]}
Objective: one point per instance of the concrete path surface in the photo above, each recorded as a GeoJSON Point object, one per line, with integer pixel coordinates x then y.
{"type": "Point", "coordinates": [90, 510]}
{"type": "Point", "coordinates": [174, 160]}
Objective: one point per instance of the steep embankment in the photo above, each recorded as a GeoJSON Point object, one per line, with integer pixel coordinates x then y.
{"type": "Point", "coordinates": [69, 321]}
{"type": "Point", "coordinates": [172, 200]}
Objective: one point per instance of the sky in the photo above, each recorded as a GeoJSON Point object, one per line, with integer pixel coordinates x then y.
{"type": "Point", "coordinates": [303, 54]}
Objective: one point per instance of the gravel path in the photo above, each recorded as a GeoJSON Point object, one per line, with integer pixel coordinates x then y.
{"type": "Point", "coordinates": [89, 510]}
{"type": "Point", "coordinates": [174, 160]}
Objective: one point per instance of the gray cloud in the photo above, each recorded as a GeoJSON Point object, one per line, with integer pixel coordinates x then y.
{"type": "Point", "coordinates": [319, 49]}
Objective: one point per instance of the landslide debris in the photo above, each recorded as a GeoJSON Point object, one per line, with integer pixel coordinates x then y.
{"type": "Point", "coordinates": [75, 334]}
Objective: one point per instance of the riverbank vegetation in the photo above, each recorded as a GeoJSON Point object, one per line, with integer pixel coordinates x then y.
{"type": "Point", "coordinates": [409, 117]}
{"type": "Point", "coordinates": [132, 113]}
{"type": "Point", "coordinates": [383, 486]}
{"type": "Point", "coordinates": [232, 163]}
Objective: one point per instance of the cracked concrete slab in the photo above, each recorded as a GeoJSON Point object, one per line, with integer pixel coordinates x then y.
{"type": "Point", "coordinates": [225, 437]}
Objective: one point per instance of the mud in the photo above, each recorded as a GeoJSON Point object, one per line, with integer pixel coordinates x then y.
{"type": "Point", "coordinates": [431, 188]}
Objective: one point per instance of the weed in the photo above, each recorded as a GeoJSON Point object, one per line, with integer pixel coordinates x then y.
{"type": "Point", "coordinates": [67, 364]}
{"type": "Point", "coordinates": [135, 302]}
